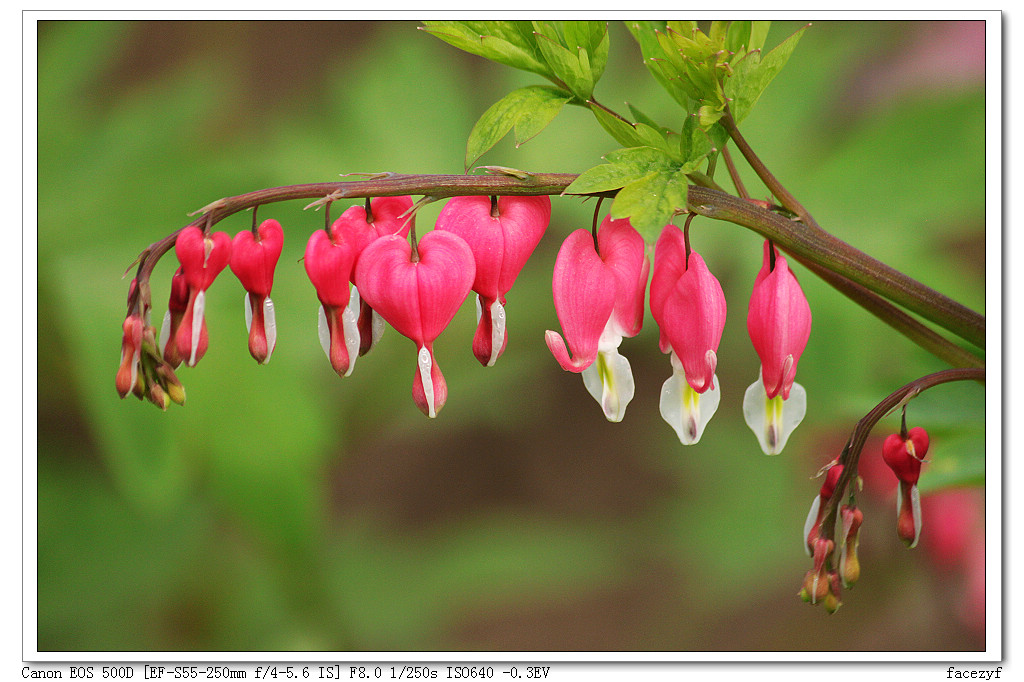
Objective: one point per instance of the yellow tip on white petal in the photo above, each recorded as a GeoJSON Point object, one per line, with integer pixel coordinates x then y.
{"type": "Point", "coordinates": [609, 379]}
{"type": "Point", "coordinates": [773, 419]}
{"type": "Point", "coordinates": [685, 410]}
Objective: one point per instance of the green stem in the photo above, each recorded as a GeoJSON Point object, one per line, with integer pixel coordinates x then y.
{"type": "Point", "coordinates": [820, 247]}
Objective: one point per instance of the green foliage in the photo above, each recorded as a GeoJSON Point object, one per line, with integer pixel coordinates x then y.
{"type": "Point", "coordinates": [526, 110]}
{"type": "Point", "coordinates": [652, 186]}
{"type": "Point", "coordinates": [507, 42]}
{"type": "Point", "coordinates": [702, 72]}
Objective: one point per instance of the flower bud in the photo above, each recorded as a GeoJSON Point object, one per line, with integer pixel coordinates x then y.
{"type": "Point", "coordinates": [849, 565]}
{"type": "Point", "coordinates": [131, 349]}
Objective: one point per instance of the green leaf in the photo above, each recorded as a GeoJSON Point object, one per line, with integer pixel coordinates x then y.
{"type": "Point", "coordinates": [753, 74]}
{"type": "Point", "coordinates": [738, 37]}
{"type": "Point", "coordinates": [634, 135]}
{"type": "Point", "coordinates": [652, 186]}
{"type": "Point", "coordinates": [758, 34]}
{"type": "Point", "coordinates": [695, 143]}
{"type": "Point", "coordinates": [641, 117]}
{"type": "Point", "coordinates": [651, 201]}
{"type": "Point", "coordinates": [623, 167]}
{"type": "Point", "coordinates": [571, 67]}
{"type": "Point", "coordinates": [506, 42]}
{"type": "Point", "coordinates": [526, 110]}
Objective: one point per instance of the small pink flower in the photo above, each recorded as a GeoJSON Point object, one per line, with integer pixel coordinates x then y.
{"type": "Point", "coordinates": [779, 323]}
{"type": "Point", "coordinates": [599, 299]}
{"type": "Point", "coordinates": [329, 261]}
{"type": "Point", "coordinates": [418, 294]}
{"type": "Point", "coordinates": [688, 304]}
{"type": "Point", "coordinates": [253, 259]}
{"type": "Point", "coordinates": [202, 258]}
{"type": "Point", "coordinates": [904, 454]}
{"type": "Point", "coordinates": [502, 240]}
{"type": "Point", "coordinates": [177, 304]}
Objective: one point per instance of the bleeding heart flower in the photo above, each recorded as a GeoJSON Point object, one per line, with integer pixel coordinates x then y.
{"type": "Point", "coordinates": [253, 259]}
{"type": "Point", "coordinates": [904, 453]}
{"type": "Point", "coordinates": [688, 304]}
{"type": "Point", "coordinates": [202, 258]}
{"type": "Point", "coordinates": [418, 293]}
{"type": "Point", "coordinates": [779, 323]}
{"type": "Point", "coordinates": [502, 235]}
{"type": "Point", "coordinates": [599, 299]}
{"type": "Point", "coordinates": [329, 261]}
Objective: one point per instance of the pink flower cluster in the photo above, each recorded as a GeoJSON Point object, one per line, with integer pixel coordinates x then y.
{"type": "Point", "coordinates": [599, 286]}
{"type": "Point", "coordinates": [368, 270]}
{"type": "Point", "coordinates": [477, 245]}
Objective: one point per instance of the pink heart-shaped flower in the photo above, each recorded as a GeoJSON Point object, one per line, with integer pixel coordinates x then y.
{"type": "Point", "coordinates": [418, 294]}
{"type": "Point", "coordinates": [502, 237]}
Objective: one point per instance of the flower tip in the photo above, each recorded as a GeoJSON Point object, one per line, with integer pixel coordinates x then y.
{"type": "Point", "coordinates": [556, 344]}
{"type": "Point", "coordinates": [429, 389]}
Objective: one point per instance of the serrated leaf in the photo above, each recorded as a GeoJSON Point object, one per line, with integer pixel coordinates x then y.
{"type": "Point", "coordinates": [624, 133]}
{"type": "Point", "coordinates": [695, 143]}
{"type": "Point", "coordinates": [527, 110]}
{"type": "Point", "coordinates": [650, 202]}
{"type": "Point", "coordinates": [565, 64]}
{"type": "Point", "coordinates": [738, 37]}
{"type": "Point", "coordinates": [752, 75]}
{"type": "Point", "coordinates": [758, 34]}
{"type": "Point", "coordinates": [646, 35]}
{"type": "Point", "coordinates": [622, 167]}
{"type": "Point", "coordinates": [506, 42]}
{"type": "Point", "coordinates": [641, 117]}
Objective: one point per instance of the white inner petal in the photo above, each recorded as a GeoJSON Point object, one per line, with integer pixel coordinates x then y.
{"type": "Point", "coordinates": [497, 330]}
{"type": "Point", "coordinates": [609, 380]}
{"type": "Point", "coordinates": [350, 327]}
{"type": "Point", "coordinates": [685, 410]}
{"type": "Point", "coordinates": [165, 331]}
{"type": "Point", "coordinates": [197, 325]}
{"type": "Point", "coordinates": [269, 327]}
{"type": "Point", "coordinates": [915, 508]}
{"type": "Point", "coordinates": [812, 516]}
{"type": "Point", "coordinates": [324, 330]}
{"type": "Point", "coordinates": [248, 312]}
{"type": "Point", "coordinates": [479, 309]}
{"type": "Point", "coordinates": [377, 325]}
{"type": "Point", "coordinates": [772, 421]}
{"type": "Point", "coordinates": [425, 364]}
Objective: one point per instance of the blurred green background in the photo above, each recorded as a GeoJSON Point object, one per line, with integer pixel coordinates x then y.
{"type": "Point", "coordinates": [284, 508]}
